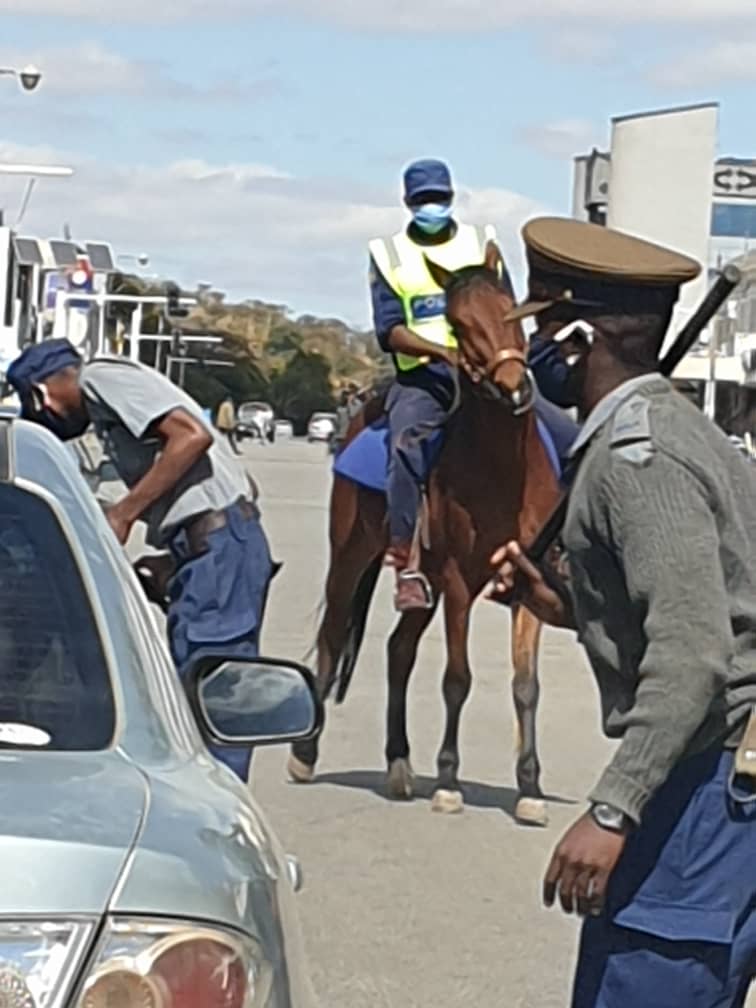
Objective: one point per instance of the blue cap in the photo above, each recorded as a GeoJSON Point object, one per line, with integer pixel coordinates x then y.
{"type": "Point", "coordinates": [39, 361]}
{"type": "Point", "coordinates": [427, 176]}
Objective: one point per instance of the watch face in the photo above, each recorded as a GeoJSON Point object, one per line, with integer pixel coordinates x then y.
{"type": "Point", "coordinates": [608, 817]}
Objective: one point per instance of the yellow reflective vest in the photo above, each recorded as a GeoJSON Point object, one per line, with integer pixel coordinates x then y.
{"type": "Point", "coordinates": [402, 264]}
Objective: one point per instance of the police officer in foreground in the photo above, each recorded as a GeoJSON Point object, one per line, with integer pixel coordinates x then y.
{"type": "Point", "coordinates": [661, 542]}
{"type": "Point", "coordinates": [182, 481]}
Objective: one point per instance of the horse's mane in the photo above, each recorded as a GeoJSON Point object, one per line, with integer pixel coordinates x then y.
{"type": "Point", "coordinates": [479, 276]}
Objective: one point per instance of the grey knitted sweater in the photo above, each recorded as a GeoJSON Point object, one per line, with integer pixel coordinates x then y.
{"type": "Point", "coordinates": [661, 539]}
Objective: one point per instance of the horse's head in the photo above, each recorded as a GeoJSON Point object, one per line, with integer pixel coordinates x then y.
{"type": "Point", "coordinates": [492, 348]}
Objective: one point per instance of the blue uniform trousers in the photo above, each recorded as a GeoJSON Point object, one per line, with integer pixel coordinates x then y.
{"type": "Point", "coordinates": [217, 602]}
{"type": "Point", "coordinates": [679, 926]}
{"type": "Point", "coordinates": [414, 414]}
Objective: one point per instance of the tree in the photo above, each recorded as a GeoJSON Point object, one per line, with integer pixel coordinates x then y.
{"type": "Point", "coordinates": [284, 339]}
{"type": "Point", "coordinates": [303, 387]}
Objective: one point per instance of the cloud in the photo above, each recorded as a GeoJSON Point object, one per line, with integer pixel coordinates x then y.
{"type": "Point", "coordinates": [76, 70]}
{"type": "Point", "coordinates": [581, 45]}
{"type": "Point", "coordinates": [250, 229]}
{"type": "Point", "coordinates": [398, 15]}
{"type": "Point", "coordinates": [89, 66]}
{"type": "Point", "coordinates": [723, 61]}
{"type": "Point", "coordinates": [561, 139]}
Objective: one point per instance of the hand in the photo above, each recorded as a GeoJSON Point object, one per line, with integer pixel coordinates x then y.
{"type": "Point", "coordinates": [450, 356]}
{"type": "Point", "coordinates": [523, 582]}
{"type": "Point", "coordinates": [120, 521]}
{"type": "Point", "coordinates": [581, 865]}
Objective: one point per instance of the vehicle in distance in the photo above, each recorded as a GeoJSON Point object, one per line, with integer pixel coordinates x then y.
{"type": "Point", "coordinates": [321, 426]}
{"type": "Point", "coordinates": [254, 419]}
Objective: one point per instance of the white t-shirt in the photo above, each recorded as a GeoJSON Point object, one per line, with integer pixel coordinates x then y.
{"type": "Point", "coordinates": [125, 400]}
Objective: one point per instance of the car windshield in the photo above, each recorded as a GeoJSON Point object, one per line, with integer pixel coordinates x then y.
{"type": "Point", "coordinates": [55, 690]}
{"type": "Point", "coordinates": [254, 407]}
{"type": "Point", "coordinates": [322, 416]}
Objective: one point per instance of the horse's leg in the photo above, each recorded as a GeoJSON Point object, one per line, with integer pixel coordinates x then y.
{"type": "Point", "coordinates": [526, 632]}
{"type": "Point", "coordinates": [456, 687]}
{"type": "Point", "coordinates": [402, 651]}
{"type": "Point", "coordinates": [354, 543]}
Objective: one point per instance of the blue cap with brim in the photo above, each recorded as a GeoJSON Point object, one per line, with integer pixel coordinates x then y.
{"type": "Point", "coordinates": [39, 361]}
{"type": "Point", "coordinates": [427, 176]}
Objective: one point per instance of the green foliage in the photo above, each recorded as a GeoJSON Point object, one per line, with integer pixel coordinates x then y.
{"type": "Point", "coordinates": [284, 339]}
{"type": "Point", "coordinates": [203, 385]}
{"type": "Point", "coordinates": [301, 388]}
{"type": "Point", "coordinates": [296, 364]}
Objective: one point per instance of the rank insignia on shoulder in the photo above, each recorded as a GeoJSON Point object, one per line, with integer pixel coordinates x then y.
{"type": "Point", "coordinates": [631, 433]}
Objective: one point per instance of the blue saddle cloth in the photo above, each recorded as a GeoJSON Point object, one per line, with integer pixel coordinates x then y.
{"type": "Point", "coordinates": [365, 459]}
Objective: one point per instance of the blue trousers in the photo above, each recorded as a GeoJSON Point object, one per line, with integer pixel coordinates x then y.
{"type": "Point", "coordinates": [679, 927]}
{"type": "Point", "coordinates": [217, 603]}
{"type": "Point", "coordinates": [414, 415]}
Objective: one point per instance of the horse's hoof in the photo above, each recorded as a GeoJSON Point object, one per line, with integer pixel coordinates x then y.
{"type": "Point", "coordinates": [299, 772]}
{"type": "Point", "coordinates": [448, 802]}
{"type": "Point", "coordinates": [400, 781]}
{"type": "Point", "coordinates": [531, 812]}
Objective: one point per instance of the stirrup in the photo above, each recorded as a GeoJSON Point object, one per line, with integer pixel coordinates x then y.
{"type": "Point", "coordinates": [419, 579]}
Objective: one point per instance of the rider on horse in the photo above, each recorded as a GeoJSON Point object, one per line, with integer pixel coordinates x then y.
{"type": "Point", "coordinates": [409, 313]}
{"type": "Point", "coordinates": [410, 322]}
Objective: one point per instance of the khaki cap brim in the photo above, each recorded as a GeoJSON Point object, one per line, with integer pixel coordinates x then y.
{"type": "Point", "coordinates": [527, 309]}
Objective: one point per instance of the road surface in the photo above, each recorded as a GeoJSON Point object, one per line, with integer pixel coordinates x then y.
{"type": "Point", "coordinates": [404, 908]}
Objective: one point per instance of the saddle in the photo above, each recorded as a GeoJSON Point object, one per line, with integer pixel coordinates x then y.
{"type": "Point", "coordinates": [364, 459]}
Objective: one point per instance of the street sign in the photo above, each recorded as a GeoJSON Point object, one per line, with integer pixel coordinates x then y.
{"type": "Point", "coordinates": [100, 256]}
{"type": "Point", "coordinates": [735, 181]}
{"type": "Point", "coordinates": [27, 251]}
{"type": "Point", "coordinates": [64, 253]}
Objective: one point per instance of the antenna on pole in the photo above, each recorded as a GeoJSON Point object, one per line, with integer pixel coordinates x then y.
{"type": "Point", "coordinates": [67, 232]}
{"type": "Point", "coordinates": [25, 201]}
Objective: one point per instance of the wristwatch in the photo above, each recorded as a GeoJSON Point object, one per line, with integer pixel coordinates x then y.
{"type": "Point", "coordinates": [609, 818]}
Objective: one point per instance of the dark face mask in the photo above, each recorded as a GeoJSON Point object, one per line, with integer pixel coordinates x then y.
{"type": "Point", "coordinates": [66, 428]}
{"type": "Point", "coordinates": [558, 380]}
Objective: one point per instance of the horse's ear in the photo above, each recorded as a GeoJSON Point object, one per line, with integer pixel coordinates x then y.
{"type": "Point", "coordinates": [442, 277]}
{"type": "Point", "coordinates": [493, 259]}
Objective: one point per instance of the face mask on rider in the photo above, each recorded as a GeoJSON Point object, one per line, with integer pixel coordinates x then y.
{"type": "Point", "coordinates": [432, 217]}
{"type": "Point", "coordinates": [66, 428]}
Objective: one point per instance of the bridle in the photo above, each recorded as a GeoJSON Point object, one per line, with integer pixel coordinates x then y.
{"type": "Point", "coordinates": [484, 377]}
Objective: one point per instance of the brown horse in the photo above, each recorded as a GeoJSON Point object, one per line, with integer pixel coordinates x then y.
{"type": "Point", "coordinates": [493, 482]}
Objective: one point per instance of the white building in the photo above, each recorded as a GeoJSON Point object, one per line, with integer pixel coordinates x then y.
{"type": "Point", "coordinates": [661, 180]}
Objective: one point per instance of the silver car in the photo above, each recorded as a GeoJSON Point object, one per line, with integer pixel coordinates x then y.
{"type": "Point", "coordinates": [136, 870]}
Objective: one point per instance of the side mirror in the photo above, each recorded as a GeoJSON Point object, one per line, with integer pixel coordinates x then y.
{"type": "Point", "coordinates": [256, 701]}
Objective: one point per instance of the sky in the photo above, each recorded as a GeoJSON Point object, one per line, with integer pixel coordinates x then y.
{"type": "Point", "coordinates": [257, 145]}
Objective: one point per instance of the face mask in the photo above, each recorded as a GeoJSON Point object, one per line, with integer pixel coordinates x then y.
{"type": "Point", "coordinates": [65, 428]}
{"type": "Point", "coordinates": [559, 378]}
{"type": "Point", "coordinates": [432, 217]}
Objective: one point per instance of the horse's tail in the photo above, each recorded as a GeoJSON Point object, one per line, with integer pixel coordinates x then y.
{"type": "Point", "coordinates": [356, 626]}
{"type": "Point", "coordinates": [316, 615]}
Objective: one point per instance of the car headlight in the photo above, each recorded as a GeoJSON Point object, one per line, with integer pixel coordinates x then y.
{"type": "Point", "coordinates": [155, 964]}
{"type": "Point", "coordinates": [38, 960]}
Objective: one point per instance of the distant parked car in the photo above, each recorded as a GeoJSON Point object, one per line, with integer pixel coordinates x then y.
{"type": "Point", "coordinates": [283, 428]}
{"type": "Point", "coordinates": [321, 426]}
{"type": "Point", "coordinates": [254, 419]}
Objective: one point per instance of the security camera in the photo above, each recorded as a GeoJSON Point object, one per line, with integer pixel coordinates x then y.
{"type": "Point", "coordinates": [143, 259]}
{"type": "Point", "coordinates": [30, 78]}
